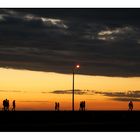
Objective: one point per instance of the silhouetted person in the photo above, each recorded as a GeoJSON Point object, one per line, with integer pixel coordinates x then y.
{"type": "Point", "coordinates": [58, 106]}
{"type": "Point", "coordinates": [14, 105]}
{"type": "Point", "coordinates": [81, 108]}
{"type": "Point", "coordinates": [7, 105]}
{"type": "Point", "coordinates": [4, 105]}
{"type": "Point", "coordinates": [130, 105]}
{"type": "Point", "coordinates": [84, 105]}
{"type": "Point", "coordinates": [55, 106]}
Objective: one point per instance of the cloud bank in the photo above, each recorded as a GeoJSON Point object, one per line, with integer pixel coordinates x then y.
{"type": "Point", "coordinates": [104, 42]}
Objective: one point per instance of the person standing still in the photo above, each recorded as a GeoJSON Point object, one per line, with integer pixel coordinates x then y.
{"type": "Point", "coordinates": [14, 105]}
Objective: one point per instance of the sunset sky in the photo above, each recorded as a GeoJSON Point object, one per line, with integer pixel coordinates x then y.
{"type": "Point", "coordinates": [40, 47]}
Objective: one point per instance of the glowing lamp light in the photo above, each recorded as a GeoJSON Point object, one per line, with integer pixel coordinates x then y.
{"type": "Point", "coordinates": [77, 66]}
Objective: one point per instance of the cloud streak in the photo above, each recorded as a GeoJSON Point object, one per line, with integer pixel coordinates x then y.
{"type": "Point", "coordinates": [12, 91]}
{"type": "Point", "coordinates": [34, 101]}
{"type": "Point", "coordinates": [126, 99]}
{"type": "Point", "coordinates": [118, 96]}
{"type": "Point", "coordinates": [76, 91]}
{"type": "Point", "coordinates": [122, 96]}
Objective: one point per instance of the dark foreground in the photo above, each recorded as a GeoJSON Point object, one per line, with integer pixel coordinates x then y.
{"type": "Point", "coordinates": [98, 121]}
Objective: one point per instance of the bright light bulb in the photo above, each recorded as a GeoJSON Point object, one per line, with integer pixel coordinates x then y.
{"type": "Point", "coordinates": [77, 66]}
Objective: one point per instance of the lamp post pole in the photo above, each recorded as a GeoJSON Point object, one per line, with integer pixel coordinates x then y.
{"type": "Point", "coordinates": [73, 93]}
{"type": "Point", "coordinates": [77, 67]}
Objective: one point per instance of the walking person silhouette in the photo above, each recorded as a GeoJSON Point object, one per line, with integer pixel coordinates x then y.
{"type": "Point", "coordinates": [130, 105]}
{"type": "Point", "coordinates": [58, 106]}
{"type": "Point", "coordinates": [14, 105]}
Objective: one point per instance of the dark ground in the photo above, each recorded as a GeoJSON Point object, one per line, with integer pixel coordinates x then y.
{"type": "Point", "coordinates": [65, 121]}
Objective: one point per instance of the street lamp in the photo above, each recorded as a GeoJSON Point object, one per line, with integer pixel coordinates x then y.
{"type": "Point", "coordinates": [76, 67]}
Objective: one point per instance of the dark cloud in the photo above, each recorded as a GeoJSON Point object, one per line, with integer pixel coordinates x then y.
{"type": "Point", "coordinates": [104, 41]}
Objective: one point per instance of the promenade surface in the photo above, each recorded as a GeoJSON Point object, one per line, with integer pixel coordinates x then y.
{"type": "Point", "coordinates": [65, 121]}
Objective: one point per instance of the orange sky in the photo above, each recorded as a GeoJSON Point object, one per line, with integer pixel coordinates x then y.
{"type": "Point", "coordinates": [31, 90]}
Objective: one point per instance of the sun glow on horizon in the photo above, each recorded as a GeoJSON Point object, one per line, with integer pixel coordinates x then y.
{"type": "Point", "coordinates": [35, 88]}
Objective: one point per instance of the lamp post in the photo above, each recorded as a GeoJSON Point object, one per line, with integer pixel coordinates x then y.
{"type": "Point", "coordinates": [77, 67]}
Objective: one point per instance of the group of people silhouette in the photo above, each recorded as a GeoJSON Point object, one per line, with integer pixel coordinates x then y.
{"type": "Point", "coordinates": [6, 105]}
{"type": "Point", "coordinates": [82, 106]}
{"type": "Point", "coordinates": [56, 106]}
